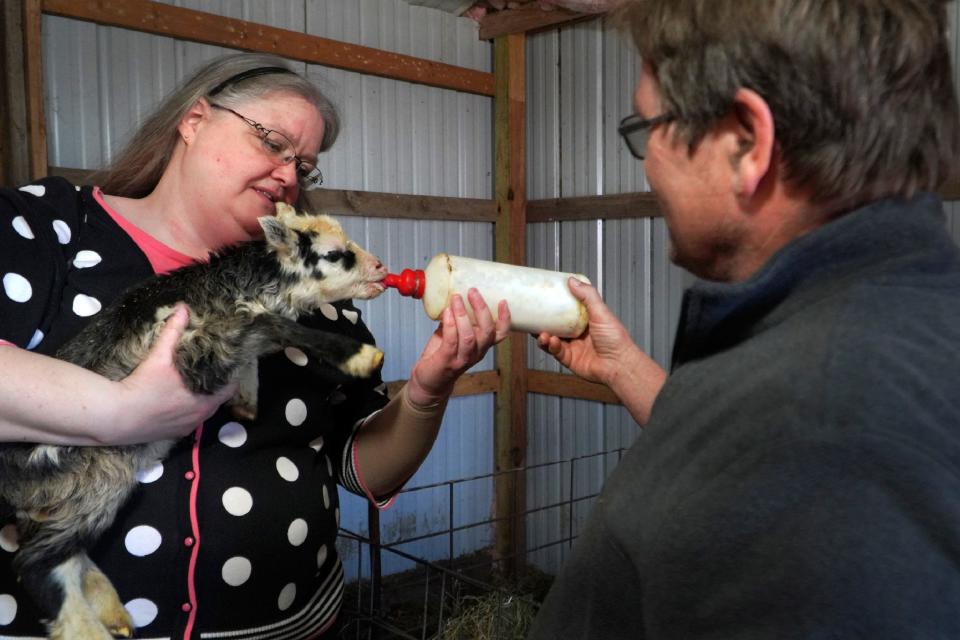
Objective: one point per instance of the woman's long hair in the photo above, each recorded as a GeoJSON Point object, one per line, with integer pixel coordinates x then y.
{"type": "Point", "coordinates": [135, 171]}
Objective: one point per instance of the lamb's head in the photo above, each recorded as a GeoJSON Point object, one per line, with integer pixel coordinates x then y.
{"type": "Point", "coordinates": [324, 263]}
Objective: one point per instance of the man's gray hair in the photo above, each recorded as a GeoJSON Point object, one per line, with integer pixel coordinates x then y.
{"type": "Point", "coordinates": [861, 91]}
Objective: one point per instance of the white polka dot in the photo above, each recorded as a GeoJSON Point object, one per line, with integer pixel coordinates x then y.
{"type": "Point", "coordinates": [62, 229]}
{"type": "Point", "coordinates": [142, 541]}
{"type": "Point", "coordinates": [35, 340]}
{"type": "Point", "coordinates": [21, 226]}
{"type": "Point", "coordinates": [296, 412]}
{"type": "Point", "coordinates": [351, 315]}
{"type": "Point", "coordinates": [237, 501]}
{"type": "Point", "coordinates": [232, 434]}
{"type": "Point", "coordinates": [317, 443]}
{"type": "Point", "coordinates": [329, 311]}
{"type": "Point", "coordinates": [8, 608]}
{"type": "Point", "coordinates": [142, 611]}
{"type": "Point", "coordinates": [9, 538]}
{"type": "Point", "coordinates": [150, 473]}
{"type": "Point", "coordinates": [329, 466]}
{"type": "Point", "coordinates": [236, 571]}
{"type": "Point", "coordinates": [17, 288]}
{"type": "Point", "coordinates": [36, 189]}
{"type": "Point", "coordinates": [85, 306]}
{"type": "Point", "coordinates": [86, 259]}
{"type": "Point", "coordinates": [296, 356]}
{"type": "Point", "coordinates": [297, 532]}
{"type": "Point", "coordinates": [287, 470]}
{"type": "Point", "coordinates": [326, 497]}
{"type": "Point", "coordinates": [287, 595]}
{"type": "Point", "coordinates": [321, 556]}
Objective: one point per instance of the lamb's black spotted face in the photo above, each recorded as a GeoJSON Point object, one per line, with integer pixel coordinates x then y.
{"type": "Point", "coordinates": [326, 262]}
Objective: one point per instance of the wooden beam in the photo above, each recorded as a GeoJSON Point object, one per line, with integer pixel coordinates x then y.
{"type": "Point", "coordinates": [392, 205]}
{"type": "Point", "coordinates": [208, 28]}
{"type": "Point", "coordinates": [375, 204]}
{"type": "Point", "coordinates": [32, 55]}
{"type": "Point", "coordinates": [527, 19]}
{"type": "Point", "coordinates": [568, 386]}
{"type": "Point", "coordinates": [633, 205]}
{"type": "Point", "coordinates": [372, 204]}
{"type": "Point", "coordinates": [469, 384]}
{"type": "Point", "coordinates": [621, 205]}
{"type": "Point", "coordinates": [510, 437]}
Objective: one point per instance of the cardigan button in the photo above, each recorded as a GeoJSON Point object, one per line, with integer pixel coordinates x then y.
{"type": "Point", "coordinates": [185, 607]}
{"type": "Point", "coordinates": [189, 475]}
{"type": "Point", "coordinates": [188, 542]}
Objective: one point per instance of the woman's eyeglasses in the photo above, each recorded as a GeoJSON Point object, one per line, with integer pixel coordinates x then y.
{"type": "Point", "coordinates": [281, 150]}
{"type": "Point", "coordinates": [636, 131]}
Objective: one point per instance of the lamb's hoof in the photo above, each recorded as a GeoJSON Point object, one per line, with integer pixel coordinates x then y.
{"type": "Point", "coordinates": [243, 411]}
{"type": "Point", "coordinates": [363, 363]}
{"type": "Point", "coordinates": [122, 631]}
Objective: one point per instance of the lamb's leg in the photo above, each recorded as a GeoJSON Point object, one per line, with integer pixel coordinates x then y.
{"type": "Point", "coordinates": [75, 597]}
{"type": "Point", "coordinates": [77, 502]}
{"type": "Point", "coordinates": [348, 356]}
{"type": "Point", "coordinates": [212, 358]}
{"type": "Point", "coordinates": [244, 402]}
{"type": "Point", "coordinates": [102, 597]}
{"type": "Point", "coordinates": [58, 591]}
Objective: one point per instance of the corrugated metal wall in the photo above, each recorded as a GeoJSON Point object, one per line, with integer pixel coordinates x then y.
{"type": "Point", "coordinates": [406, 138]}
{"type": "Point", "coordinates": [580, 83]}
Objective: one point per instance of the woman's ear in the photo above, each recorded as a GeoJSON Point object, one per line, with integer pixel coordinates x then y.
{"type": "Point", "coordinates": [191, 120]}
{"type": "Point", "coordinates": [755, 132]}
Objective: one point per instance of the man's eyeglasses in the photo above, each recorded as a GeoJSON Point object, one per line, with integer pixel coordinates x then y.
{"type": "Point", "coordinates": [636, 131]}
{"type": "Point", "coordinates": [280, 149]}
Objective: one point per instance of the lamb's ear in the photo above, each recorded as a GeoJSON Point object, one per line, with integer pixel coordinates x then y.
{"type": "Point", "coordinates": [285, 211]}
{"type": "Point", "coordinates": [274, 232]}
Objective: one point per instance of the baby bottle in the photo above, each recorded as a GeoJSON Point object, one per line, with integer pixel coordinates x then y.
{"type": "Point", "coordinates": [539, 299]}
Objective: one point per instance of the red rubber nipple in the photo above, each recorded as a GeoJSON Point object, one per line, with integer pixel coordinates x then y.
{"type": "Point", "coordinates": [410, 282]}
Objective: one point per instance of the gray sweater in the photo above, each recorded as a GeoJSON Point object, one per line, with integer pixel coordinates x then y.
{"type": "Point", "coordinates": [800, 474]}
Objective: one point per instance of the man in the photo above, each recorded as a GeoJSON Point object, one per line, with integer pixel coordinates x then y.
{"type": "Point", "coordinates": [799, 471]}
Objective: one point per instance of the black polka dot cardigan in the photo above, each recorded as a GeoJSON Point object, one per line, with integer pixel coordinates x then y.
{"type": "Point", "coordinates": [231, 536]}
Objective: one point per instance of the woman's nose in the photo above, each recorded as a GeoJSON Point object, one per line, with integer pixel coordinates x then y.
{"type": "Point", "coordinates": [286, 174]}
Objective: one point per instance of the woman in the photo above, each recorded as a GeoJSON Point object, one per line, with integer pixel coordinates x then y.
{"type": "Point", "coordinates": [234, 532]}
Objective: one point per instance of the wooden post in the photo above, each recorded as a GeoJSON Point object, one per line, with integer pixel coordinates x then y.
{"type": "Point", "coordinates": [510, 441]}
{"type": "Point", "coordinates": [32, 55]}
{"type": "Point", "coordinates": [14, 156]}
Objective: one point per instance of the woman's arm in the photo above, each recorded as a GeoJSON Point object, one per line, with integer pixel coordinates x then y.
{"type": "Point", "coordinates": [392, 444]}
{"type": "Point", "coordinates": [50, 401]}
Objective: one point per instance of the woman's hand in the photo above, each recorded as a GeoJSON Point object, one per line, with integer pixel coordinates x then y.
{"type": "Point", "coordinates": [454, 347]}
{"type": "Point", "coordinates": [52, 401]}
{"type": "Point", "coordinates": [606, 353]}
{"type": "Point", "coordinates": [155, 403]}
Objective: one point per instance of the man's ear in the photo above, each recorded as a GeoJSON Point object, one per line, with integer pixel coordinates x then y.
{"type": "Point", "coordinates": [755, 132]}
{"type": "Point", "coordinates": [192, 118]}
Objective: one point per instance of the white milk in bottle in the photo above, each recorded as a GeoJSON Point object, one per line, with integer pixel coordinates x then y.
{"type": "Point", "coordinates": [539, 299]}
